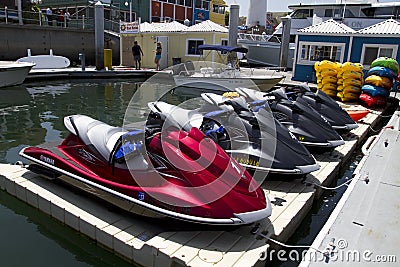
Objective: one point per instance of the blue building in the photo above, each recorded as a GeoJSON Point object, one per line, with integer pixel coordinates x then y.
{"type": "Point", "coordinates": [337, 42]}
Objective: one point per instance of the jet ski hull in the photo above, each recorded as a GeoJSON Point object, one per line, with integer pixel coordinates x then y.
{"type": "Point", "coordinates": [325, 106]}
{"type": "Point", "coordinates": [267, 149]}
{"type": "Point", "coordinates": [309, 127]}
{"type": "Point", "coordinates": [143, 192]}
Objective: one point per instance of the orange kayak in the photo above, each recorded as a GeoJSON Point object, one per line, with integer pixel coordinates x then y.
{"type": "Point", "coordinates": [357, 114]}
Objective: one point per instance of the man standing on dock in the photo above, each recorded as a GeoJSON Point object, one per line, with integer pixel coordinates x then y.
{"type": "Point", "coordinates": [137, 53]}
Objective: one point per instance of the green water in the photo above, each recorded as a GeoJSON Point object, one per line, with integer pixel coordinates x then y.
{"type": "Point", "coordinates": [32, 114]}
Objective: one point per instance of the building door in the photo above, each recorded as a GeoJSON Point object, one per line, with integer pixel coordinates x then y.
{"type": "Point", "coordinates": [164, 56]}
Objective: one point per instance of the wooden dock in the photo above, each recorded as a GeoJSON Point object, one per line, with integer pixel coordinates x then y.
{"type": "Point", "coordinates": [155, 243]}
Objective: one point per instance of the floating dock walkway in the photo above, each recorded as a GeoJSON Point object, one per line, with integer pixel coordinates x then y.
{"type": "Point", "coordinates": [364, 226]}
{"type": "Point", "coordinates": [155, 243]}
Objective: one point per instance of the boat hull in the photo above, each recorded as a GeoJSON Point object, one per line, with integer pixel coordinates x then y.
{"type": "Point", "coordinates": [227, 84]}
{"type": "Point", "coordinates": [47, 61]}
{"type": "Point", "coordinates": [13, 73]}
{"type": "Point", "coordinates": [266, 53]}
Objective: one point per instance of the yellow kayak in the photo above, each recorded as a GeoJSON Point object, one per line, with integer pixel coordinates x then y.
{"type": "Point", "coordinates": [348, 97]}
{"type": "Point", "coordinates": [379, 81]}
{"type": "Point", "coordinates": [331, 93]}
{"type": "Point", "coordinates": [328, 72]}
{"type": "Point", "coordinates": [329, 86]}
{"type": "Point", "coordinates": [351, 89]}
{"type": "Point", "coordinates": [352, 82]}
{"type": "Point", "coordinates": [349, 74]}
{"type": "Point", "coordinates": [350, 66]}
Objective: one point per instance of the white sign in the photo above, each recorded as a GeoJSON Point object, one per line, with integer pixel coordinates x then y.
{"type": "Point", "coordinates": [129, 27]}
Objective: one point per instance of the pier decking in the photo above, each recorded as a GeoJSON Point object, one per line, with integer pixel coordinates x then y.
{"type": "Point", "coordinates": [156, 243]}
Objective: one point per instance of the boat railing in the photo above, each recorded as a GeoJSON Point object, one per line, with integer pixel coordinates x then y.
{"type": "Point", "coordinates": [258, 37]}
{"type": "Point", "coordinates": [265, 71]}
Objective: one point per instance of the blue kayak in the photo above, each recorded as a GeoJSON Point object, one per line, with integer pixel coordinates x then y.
{"type": "Point", "coordinates": [382, 71]}
{"type": "Point", "coordinates": [373, 90]}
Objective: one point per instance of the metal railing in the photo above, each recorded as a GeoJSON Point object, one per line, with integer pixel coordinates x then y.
{"type": "Point", "coordinates": [258, 37]}
{"type": "Point", "coordinates": [40, 18]}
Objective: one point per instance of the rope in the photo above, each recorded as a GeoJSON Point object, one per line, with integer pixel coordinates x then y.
{"type": "Point", "coordinates": [366, 180]}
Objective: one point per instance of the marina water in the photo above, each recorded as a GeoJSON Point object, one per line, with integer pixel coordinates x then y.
{"type": "Point", "coordinates": [32, 114]}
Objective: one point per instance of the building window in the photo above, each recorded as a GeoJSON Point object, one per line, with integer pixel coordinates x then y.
{"type": "Point", "coordinates": [180, 2]}
{"type": "Point", "coordinates": [215, 8]}
{"type": "Point", "coordinates": [188, 3]}
{"type": "Point", "coordinates": [192, 47]}
{"type": "Point", "coordinates": [218, 9]}
{"type": "Point", "coordinates": [198, 4]}
{"type": "Point", "coordinates": [172, 1]}
{"type": "Point", "coordinates": [203, 4]}
{"type": "Point", "coordinates": [372, 51]}
{"type": "Point", "coordinates": [311, 52]}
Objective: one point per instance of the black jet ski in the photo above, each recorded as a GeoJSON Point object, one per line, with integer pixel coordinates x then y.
{"type": "Point", "coordinates": [339, 119]}
{"type": "Point", "coordinates": [309, 127]}
{"type": "Point", "coordinates": [257, 141]}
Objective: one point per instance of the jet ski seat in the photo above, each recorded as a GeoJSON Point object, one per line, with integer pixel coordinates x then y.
{"type": "Point", "coordinates": [279, 93]}
{"type": "Point", "coordinates": [101, 135]}
{"type": "Point", "coordinates": [184, 117]}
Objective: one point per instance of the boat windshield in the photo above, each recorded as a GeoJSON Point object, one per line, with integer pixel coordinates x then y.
{"type": "Point", "coordinates": [382, 12]}
{"type": "Point", "coordinates": [302, 13]}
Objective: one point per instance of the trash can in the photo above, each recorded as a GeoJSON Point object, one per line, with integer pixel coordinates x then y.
{"type": "Point", "coordinates": [108, 59]}
{"type": "Point", "coordinates": [176, 60]}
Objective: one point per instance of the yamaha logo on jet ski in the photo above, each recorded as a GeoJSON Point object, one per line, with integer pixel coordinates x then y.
{"type": "Point", "coordinates": [47, 160]}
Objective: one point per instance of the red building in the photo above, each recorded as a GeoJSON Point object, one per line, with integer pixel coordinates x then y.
{"type": "Point", "coordinates": [170, 10]}
{"type": "Point", "coordinates": [179, 10]}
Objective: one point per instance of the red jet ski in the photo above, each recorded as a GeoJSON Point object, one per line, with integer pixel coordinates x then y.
{"type": "Point", "coordinates": [169, 173]}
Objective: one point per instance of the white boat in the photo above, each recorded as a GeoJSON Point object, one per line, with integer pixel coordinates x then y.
{"type": "Point", "coordinates": [265, 49]}
{"type": "Point", "coordinates": [46, 61]}
{"type": "Point", "coordinates": [13, 73]}
{"type": "Point", "coordinates": [220, 77]}
{"type": "Point", "coordinates": [357, 14]}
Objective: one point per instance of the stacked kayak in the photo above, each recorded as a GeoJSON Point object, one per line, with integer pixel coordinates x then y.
{"type": "Point", "coordinates": [379, 81]}
{"type": "Point", "coordinates": [386, 62]}
{"type": "Point", "coordinates": [326, 72]}
{"type": "Point", "coordinates": [357, 114]}
{"type": "Point", "coordinates": [350, 80]}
